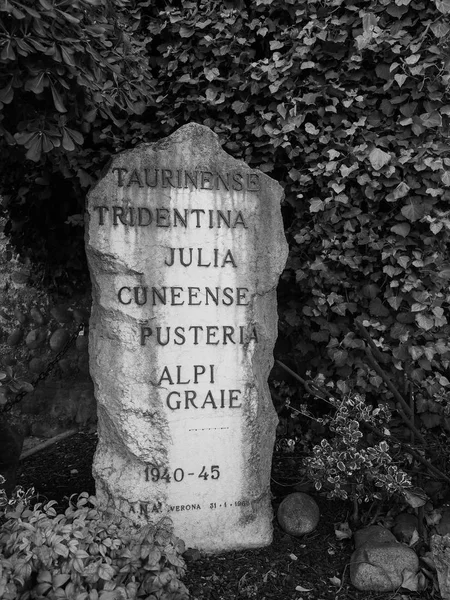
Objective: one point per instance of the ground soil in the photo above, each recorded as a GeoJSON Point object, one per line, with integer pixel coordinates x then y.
{"type": "Point", "coordinates": [313, 567]}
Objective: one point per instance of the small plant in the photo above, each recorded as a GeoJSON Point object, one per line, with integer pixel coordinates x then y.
{"type": "Point", "coordinates": [19, 496]}
{"type": "Point", "coordinates": [87, 554]}
{"type": "Point", "coordinates": [347, 466]}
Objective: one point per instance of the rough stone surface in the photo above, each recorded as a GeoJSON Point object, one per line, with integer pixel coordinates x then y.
{"type": "Point", "coordinates": [373, 534]}
{"type": "Point", "coordinates": [440, 549]}
{"type": "Point", "coordinates": [185, 246]}
{"type": "Point", "coordinates": [380, 563]}
{"type": "Point", "coordinates": [298, 514]}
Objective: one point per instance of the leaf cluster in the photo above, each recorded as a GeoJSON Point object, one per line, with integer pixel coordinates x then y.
{"type": "Point", "coordinates": [87, 553]}
{"type": "Point", "coordinates": [347, 465]}
{"type": "Point", "coordinates": [346, 103]}
{"type": "Point", "coordinates": [69, 69]}
{"type": "Point", "coordinates": [37, 340]}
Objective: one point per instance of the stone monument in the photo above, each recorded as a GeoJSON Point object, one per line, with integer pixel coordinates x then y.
{"type": "Point", "coordinates": [185, 247]}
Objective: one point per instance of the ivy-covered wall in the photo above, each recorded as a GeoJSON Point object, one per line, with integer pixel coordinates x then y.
{"type": "Point", "coordinates": [345, 102]}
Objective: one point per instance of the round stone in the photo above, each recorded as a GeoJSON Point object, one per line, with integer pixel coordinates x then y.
{"type": "Point", "coordinates": [298, 514]}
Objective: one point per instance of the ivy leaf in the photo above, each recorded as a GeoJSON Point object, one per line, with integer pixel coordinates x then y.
{"type": "Point", "coordinates": [239, 107]}
{"type": "Point", "coordinates": [440, 29]}
{"type": "Point", "coordinates": [413, 211]}
{"type": "Point", "coordinates": [424, 322]}
{"type": "Point", "coordinates": [436, 227]}
{"type": "Point", "coordinates": [377, 309]}
{"type": "Point", "coordinates": [378, 158]}
{"type": "Point", "coordinates": [316, 205]}
{"type": "Point", "coordinates": [400, 78]}
{"type": "Point", "coordinates": [398, 331]}
{"type": "Point", "coordinates": [431, 119]}
{"type": "Point", "coordinates": [401, 229]}
{"type": "Point", "coordinates": [399, 192]}
{"type": "Point", "coordinates": [395, 302]}
{"type": "Point", "coordinates": [445, 178]}
{"type": "Point", "coordinates": [339, 356]}
{"type": "Point", "coordinates": [443, 6]}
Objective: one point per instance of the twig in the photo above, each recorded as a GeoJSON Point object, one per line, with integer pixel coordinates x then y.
{"type": "Point", "coordinates": [388, 382]}
{"type": "Point", "coordinates": [410, 426]}
{"type": "Point", "coordinates": [48, 443]}
{"type": "Point", "coordinates": [410, 450]}
{"type": "Point", "coordinates": [366, 335]}
{"type": "Point", "coordinates": [320, 393]}
{"type": "Point", "coordinates": [414, 454]}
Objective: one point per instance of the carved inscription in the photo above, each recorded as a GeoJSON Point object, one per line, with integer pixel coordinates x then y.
{"type": "Point", "coordinates": [181, 178]}
{"type": "Point", "coordinates": [185, 246]}
{"type": "Point", "coordinates": [209, 335]}
{"type": "Point", "coordinates": [146, 509]}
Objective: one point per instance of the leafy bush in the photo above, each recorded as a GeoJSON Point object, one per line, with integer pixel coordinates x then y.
{"type": "Point", "coordinates": [346, 465]}
{"type": "Point", "coordinates": [346, 103]}
{"type": "Point", "coordinates": [69, 72]}
{"type": "Point", "coordinates": [86, 553]}
{"type": "Point", "coordinates": [37, 340]}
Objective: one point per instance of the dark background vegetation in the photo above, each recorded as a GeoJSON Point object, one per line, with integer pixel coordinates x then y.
{"type": "Point", "coordinates": [344, 102]}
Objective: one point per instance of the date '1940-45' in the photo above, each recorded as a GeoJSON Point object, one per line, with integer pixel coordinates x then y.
{"type": "Point", "coordinates": [155, 474]}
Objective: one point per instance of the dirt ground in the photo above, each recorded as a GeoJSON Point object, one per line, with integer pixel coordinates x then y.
{"type": "Point", "coordinates": [313, 567]}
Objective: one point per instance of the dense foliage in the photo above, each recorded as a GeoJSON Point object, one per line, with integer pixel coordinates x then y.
{"type": "Point", "coordinates": [69, 69]}
{"type": "Point", "coordinates": [87, 553]}
{"type": "Point", "coordinates": [345, 102]}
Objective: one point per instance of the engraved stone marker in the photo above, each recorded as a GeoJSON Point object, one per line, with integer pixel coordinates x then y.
{"type": "Point", "coordinates": [185, 247]}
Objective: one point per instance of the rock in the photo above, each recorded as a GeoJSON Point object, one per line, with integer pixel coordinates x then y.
{"type": "Point", "coordinates": [298, 514]}
{"type": "Point", "coordinates": [185, 419]}
{"type": "Point", "coordinates": [35, 338]}
{"type": "Point", "coordinates": [191, 555]}
{"type": "Point", "coordinates": [11, 442]}
{"type": "Point", "coordinates": [440, 549]}
{"type": "Point", "coordinates": [59, 339]}
{"type": "Point", "coordinates": [404, 527]}
{"type": "Point", "coordinates": [373, 534]}
{"type": "Point", "coordinates": [380, 563]}
{"type": "Point", "coordinates": [15, 337]}
{"type": "Point", "coordinates": [36, 316]}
